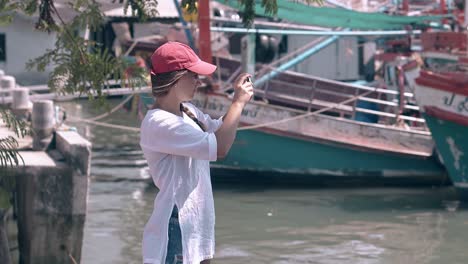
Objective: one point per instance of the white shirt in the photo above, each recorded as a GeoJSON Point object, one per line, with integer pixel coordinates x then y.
{"type": "Point", "coordinates": [178, 154]}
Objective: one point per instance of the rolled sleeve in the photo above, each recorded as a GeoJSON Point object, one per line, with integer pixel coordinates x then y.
{"type": "Point", "coordinates": [213, 147]}
{"type": "Point", "coordinates": [212, 125]}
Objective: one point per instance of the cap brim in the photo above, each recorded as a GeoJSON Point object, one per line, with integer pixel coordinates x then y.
{"type": "Point", "coordinates": [203, 68]}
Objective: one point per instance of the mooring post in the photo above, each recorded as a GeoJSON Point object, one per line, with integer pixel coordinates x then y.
{"type": "Point", "coordinates": [7, 83]}
{"type": "Point", "coordinates": [21, 105]}
{"type": "Point", "coordinates": [43, 124]}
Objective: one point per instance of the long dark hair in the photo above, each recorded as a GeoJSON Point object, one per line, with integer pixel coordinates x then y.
{"type": "Point", "coordinates": [161, 83]}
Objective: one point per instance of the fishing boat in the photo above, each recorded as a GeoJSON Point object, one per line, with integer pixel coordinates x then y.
{"type": "Point", "coordinates": [290, 139]}
{"type": "Point", "coordinates": [442, 93]}
{"type": "Point", "coordinates": [444, 99]}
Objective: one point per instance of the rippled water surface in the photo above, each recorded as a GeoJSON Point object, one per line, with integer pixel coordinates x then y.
{"type": "Point", "coordinates": [263, 223]}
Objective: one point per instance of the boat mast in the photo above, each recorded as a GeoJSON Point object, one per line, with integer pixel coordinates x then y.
{"type": "Point", "coordinates": [465, 22]}
{"type": "Point", "coordinates": [405, 6]}
{"type": "Point", "coordinates": [204, 33]}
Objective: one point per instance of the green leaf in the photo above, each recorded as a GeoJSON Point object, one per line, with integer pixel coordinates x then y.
{"type": "Point", "coordinates": [20, 127]}
{"type": "Point", "coordinates": [30, 6]}
{"type": "Point", "coordinates": [5, 20]}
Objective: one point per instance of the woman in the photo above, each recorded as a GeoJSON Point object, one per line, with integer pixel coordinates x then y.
{"type": "Point", "coordinates": [178, 142]}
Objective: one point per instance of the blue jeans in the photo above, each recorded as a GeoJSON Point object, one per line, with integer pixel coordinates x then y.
{"type": "Point", "coordinates": [174, 245]}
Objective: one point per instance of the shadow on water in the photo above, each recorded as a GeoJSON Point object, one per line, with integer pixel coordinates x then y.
{"type": "Point", "coordinates": [125, 163]}
{"type": "Point", "coordinates": [353, 194]}
{"type": "Point", "coordinates": [224, 178]}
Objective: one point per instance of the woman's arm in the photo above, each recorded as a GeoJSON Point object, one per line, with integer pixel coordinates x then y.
{"type": "Point", "coordinates": [226, 134]}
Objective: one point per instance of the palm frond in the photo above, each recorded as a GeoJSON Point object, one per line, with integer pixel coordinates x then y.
{"type": "Point", "coordinates": [9, 155]}
{"type": "Point", "coordinates": [19, 127]}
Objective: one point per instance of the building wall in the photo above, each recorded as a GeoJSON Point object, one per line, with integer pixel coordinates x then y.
{"type": "Point", "coordinates": [338, 61]}
{"type": "Point", "coordinates": [23, 43]}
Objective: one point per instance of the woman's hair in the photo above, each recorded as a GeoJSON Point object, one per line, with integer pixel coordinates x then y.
{"type": "Point", "coordinates": [161, 83]}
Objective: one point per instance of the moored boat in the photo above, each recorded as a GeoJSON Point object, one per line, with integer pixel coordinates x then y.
{"type": "Point", "coordinates": [322, 144]}
{"type": "Point", "coordinates": [443, 97]}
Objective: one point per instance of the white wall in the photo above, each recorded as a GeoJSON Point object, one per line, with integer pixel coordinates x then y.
{"type": "Point", "coordinates": [23, 43]}
{"type": "Point", "coordinates": [338, 61]}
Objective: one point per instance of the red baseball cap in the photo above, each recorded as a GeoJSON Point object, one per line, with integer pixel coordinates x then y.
{"type": "Point", "coordinates": [174, 56]}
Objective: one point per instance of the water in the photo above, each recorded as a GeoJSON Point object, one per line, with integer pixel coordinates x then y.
{"type": "Point", "coordinates": [265, 223]}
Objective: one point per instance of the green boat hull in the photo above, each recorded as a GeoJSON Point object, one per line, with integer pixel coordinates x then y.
{"type": "Point", "coordinates": [451, 140]}
{"type": "Point", "coordinates": [259, 151]}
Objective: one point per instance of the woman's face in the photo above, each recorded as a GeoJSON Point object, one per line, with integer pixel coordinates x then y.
{"type": "Point", "coordinates": [187, 86]}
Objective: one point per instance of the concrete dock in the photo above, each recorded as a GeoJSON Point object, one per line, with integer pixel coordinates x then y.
{"type": "Point", "coordinates": [51, 199]}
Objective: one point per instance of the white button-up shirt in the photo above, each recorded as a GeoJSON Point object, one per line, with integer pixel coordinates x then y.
{"type": "Point", "coordinates": [178, 154]}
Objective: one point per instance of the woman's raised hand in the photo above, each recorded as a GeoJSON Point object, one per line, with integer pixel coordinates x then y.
{"type": "Point", "coordinates": [243, 89]}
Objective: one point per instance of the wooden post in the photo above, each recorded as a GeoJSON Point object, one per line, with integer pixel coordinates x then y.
{"type": "Point", "coordinates": [443, 9]}
{"type": "Point", "coordinates": [405, 6]}
{"type": "Point", "coordinates": [43, 123]}
{"type": "Point", "coordinates": [401, 91]}
{"type": "Point", "coordinates": [311, 95]}
{"type": "Point", "coordinates": [248, 54]}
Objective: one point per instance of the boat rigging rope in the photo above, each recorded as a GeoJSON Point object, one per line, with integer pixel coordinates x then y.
{"type": "Point", "coordinates": [117, 107]}
{"type": "Point", "coordinates": [103, 124]}
{"type": "Point", "coordinates": [136, 129]}
{"type": "Point", "coordinates": [304, 115]}
{"type": "Point", "coordinates": [269, 67]}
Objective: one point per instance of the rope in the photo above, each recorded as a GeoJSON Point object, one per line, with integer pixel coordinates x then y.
{"type": "Point", "coordinates": [117, 107]}
{"type": "Point", "coordinates": [288, 56]}
{"type": "Point", "coordinates": [128, 128]}
{"type": "Point", "coordinates": [304, 115]}
{"type": "Point", "coordinates": [103, 124]}
{"type": "Point", "coordinates": [227, 84]}
{"type": "Point", "coordinates": [136, 129]}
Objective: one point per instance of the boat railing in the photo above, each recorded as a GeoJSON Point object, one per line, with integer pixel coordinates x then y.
{"type": "Point", "coordinates": [309, 93]}
{"type": "Point", "coordinates": [312, 93]}
{"type": "Point", "coordinates": [444, 41]}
